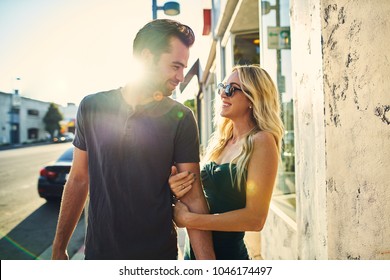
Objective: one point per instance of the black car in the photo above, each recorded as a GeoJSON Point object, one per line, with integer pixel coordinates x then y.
{"type": "Point", "coordinates": [53, 177]}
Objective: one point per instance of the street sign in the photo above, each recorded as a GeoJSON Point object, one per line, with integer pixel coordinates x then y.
{"type": "Point", "coordinates": [279, 37]}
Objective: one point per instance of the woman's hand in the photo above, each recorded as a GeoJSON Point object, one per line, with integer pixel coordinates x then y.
{"type": "Point", "coordinates": [180, 210]}
{"type": "Point", "coordinates": [180, 183]}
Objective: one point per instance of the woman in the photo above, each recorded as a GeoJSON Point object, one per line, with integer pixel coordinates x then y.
{"type": "Point", "coordinates": [241, 164]}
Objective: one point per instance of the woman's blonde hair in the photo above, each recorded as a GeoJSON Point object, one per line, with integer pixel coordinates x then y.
{"type": "Point", "coordinates": [259, 88]}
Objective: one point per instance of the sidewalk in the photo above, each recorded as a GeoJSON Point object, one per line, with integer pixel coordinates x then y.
{"type": "Point", "coordinates": [180, 239]}
{"type": "Point", "coordinates": [26, 145]}
{"type": "Point", "coordinates": [76, 244]}
{"type": "Point", "coordinates": [252, 240]}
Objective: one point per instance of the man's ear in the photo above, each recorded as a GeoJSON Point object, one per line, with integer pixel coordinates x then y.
{"type": "Point", "coordinates": [147, 56]}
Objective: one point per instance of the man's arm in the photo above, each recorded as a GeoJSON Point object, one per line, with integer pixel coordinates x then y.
{"type": "Point", "coordinates": [73, 201]}
{"type": "Point", "coordinates": [201, 241]}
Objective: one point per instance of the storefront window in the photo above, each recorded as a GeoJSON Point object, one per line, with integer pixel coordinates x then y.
{"type": "Point", "coordinates": [276, 60]}
{"type": "Point", "coordinates": [33, 112]}
{"type": "Point", "coordinates": [32, 133]}
{"type": "Point", "coordinates": [247, 48]}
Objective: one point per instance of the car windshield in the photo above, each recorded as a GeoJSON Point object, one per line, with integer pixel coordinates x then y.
{"type": "Point", "coordinates": [67, 156]}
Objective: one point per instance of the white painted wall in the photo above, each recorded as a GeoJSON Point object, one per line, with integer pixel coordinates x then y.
{"type": "Point", "coordinates": [356, 66]}
{"type": "Point", "coordinates": [309, 129]}
{"type": "Point", "coordinates": [28, 121]}
{"type": "Point", "coordinates": [340, 70]}
{"type": "Point", "coordinates": [5, 105]}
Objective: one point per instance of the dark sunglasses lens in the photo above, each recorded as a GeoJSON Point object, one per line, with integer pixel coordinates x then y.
{"type": "Point", "coordinates": [232, 90]}
{"type": "Point", "coordinates": [229, 91]}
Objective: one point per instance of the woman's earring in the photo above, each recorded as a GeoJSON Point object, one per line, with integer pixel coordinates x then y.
{"type": "Point", "coordinates": [250, 106]}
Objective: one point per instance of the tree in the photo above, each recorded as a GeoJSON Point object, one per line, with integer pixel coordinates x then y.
{"type": "Point", "coordinates": [52, 119]}
{"type": "Point", "coordinates": [190, 103]}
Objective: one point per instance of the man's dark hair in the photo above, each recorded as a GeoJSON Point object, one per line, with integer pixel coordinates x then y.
{"type": "Point", "coordinates": [156, 36]}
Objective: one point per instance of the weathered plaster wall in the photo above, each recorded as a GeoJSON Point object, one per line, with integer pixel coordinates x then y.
{"type": "Point", "coordinates": [341, 82]}
{"type": "Point", "coordinates": [309, 129]}
{"type": "Point", "coordinates": [279, 237]}
{"type": "Point", "coordinates": [356, 66]}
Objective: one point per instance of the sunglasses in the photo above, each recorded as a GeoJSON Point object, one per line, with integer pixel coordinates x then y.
{"type": "Point", "coordinates": [228, 89]}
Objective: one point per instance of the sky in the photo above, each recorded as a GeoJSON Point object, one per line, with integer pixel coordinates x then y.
{"type": "Point", "coordinates": [63, 50]}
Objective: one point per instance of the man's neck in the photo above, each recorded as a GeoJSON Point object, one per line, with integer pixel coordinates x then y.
{"type": "Point", "coordinates": [136, 95]}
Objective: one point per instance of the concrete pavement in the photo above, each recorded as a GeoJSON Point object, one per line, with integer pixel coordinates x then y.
{"type": "Point", "coordinates": [76, 243]}
{"type": "Point", "coordinates": [252, 240]}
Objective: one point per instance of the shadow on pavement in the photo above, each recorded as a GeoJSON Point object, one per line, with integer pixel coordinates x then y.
{"type": "Point", "coordinates": [35, 234]}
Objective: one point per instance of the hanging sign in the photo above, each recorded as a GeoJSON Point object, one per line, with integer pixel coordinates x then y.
{"type": "Point", "coordinates": [279, 37]}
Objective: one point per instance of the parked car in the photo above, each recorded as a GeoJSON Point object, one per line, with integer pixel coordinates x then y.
{"type": "Point", "coordinates": [52, 178]}
{"type": "Point", "coordinates": [66, 137]}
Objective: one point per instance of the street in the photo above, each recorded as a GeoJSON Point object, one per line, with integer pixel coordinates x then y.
{"type": "Point", "coordinates": [28, 222]}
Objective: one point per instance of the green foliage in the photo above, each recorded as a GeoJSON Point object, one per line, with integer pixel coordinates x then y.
{"type": "Point", "coordinates": [52, 119]}
{"type": "Point", "coordinates": [190, 103]}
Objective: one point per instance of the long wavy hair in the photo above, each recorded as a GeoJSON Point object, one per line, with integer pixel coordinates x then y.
{"type": "Point", "coordinates": [259, 88]}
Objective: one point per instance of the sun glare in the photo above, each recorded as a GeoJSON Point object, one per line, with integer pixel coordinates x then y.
{"type": "Point", "coordinates": [136, 71]}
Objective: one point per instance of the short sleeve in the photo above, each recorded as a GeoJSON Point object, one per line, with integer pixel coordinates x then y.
{"type": "Point", "coordinates": [187, 140]}
{"type": "Point", "coordinates": [79, 140]}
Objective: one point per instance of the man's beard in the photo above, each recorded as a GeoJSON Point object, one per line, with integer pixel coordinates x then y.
{"type": "Point", "coordinates": [161, 87]}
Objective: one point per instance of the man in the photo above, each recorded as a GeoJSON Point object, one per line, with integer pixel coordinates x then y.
{"type": "Point", "coordinates": [126, 142]}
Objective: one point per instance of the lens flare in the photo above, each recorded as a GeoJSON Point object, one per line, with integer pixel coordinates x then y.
{"type": "Point", "coordinates": [19, 247]}
{"type": "Point", "coordinates": [250, 187]}
{"type": "Point", "coordinates": [158, 96]}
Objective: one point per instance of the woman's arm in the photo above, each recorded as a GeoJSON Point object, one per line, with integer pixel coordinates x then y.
{"type": "Point", "coordinates": [262, 170]}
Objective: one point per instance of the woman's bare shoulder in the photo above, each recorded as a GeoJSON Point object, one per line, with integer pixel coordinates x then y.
{"type": "Point", "coordinates": [264, 138]}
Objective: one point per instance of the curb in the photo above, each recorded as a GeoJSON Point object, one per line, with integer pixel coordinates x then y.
{"type": "Point", "coordinates": [79, 255]}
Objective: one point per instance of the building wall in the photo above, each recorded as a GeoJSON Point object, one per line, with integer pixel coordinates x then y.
{"type": "Point", "coordinates": [340, 66]}
{"type": "Point", "coordinates": [309, 129]}
{"type": "Point", "coordinates": [69, 112]}
{"type": "Point", "coordinates": [356, 39]}
{"type": "Point", "coordinates": [5, 104]}
{"type": "Point", "coordinates": [340, 69]}
{"type": "Point", "coordinates": [207, 102]}
{"type": "Point", "coordinates": [279, 236]}
{"type": "Point", "coordinates": [28, 121]}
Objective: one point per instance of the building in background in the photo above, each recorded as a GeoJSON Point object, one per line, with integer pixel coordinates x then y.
{"type": "Point", "coordinates": [330, 62]}
{"type": "Point", "coordinates": [21, 119]}
{"type": "Point", "coordinates": [68, 123]}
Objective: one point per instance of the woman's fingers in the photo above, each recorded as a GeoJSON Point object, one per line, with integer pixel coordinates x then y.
{"type": "Point", "coordinates": [181, 178]}
{"type": "Point", "coordinates": [182, 190]}
{"type": "Point", "coordinates": [181, 183]}
{"type": "Point", "coordinates": [173, 170]}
